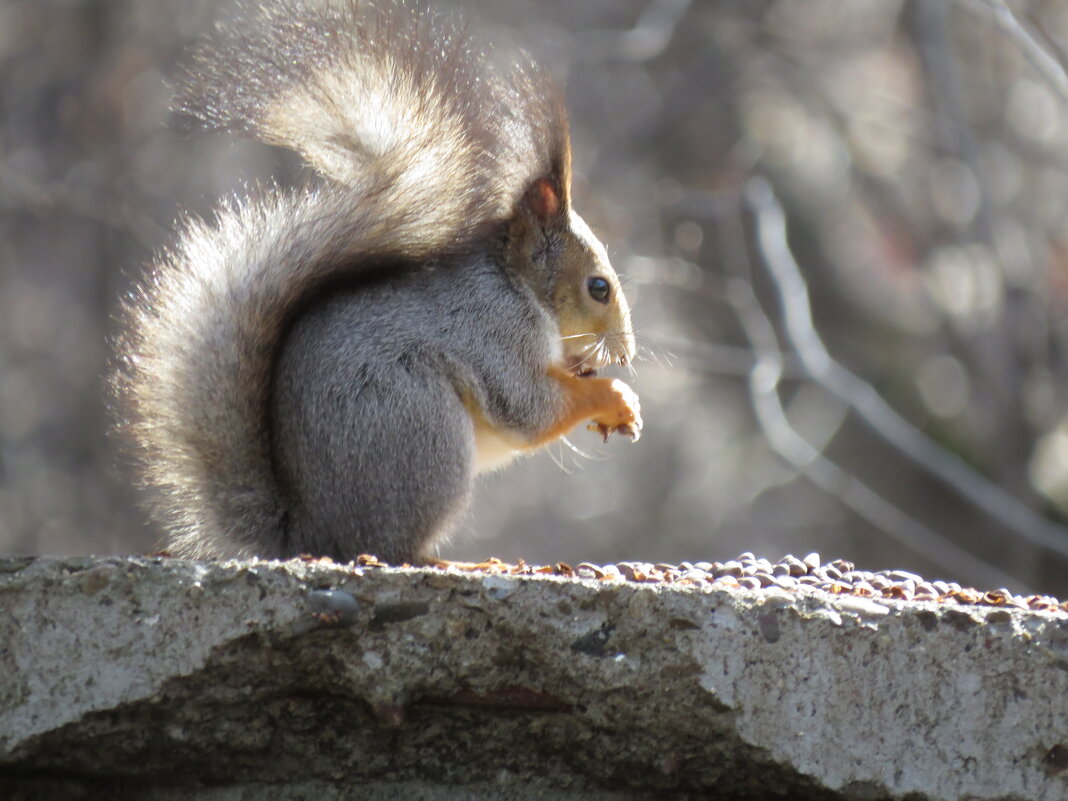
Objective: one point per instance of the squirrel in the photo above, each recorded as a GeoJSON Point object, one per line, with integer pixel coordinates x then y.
{"type": "Point", "coordinates": [325, 369]}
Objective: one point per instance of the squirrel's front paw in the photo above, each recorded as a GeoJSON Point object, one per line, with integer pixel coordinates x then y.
{"type": "Point", "coordinates": [623, 415]}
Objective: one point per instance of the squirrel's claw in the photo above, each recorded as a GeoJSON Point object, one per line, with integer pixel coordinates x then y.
{"type": "Point", "coordinates": [628, 430]}
{"type": "Point", "coordinates": [600, 428]}
{"type": "Point", "coordinates": [621, 413]}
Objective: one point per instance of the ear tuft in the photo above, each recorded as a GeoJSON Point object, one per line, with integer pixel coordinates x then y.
{"type": "Point", "coordinates": [543, 200]}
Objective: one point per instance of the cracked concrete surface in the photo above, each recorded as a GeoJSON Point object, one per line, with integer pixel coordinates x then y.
{"type": "Point", "coordinates": [169, 680]}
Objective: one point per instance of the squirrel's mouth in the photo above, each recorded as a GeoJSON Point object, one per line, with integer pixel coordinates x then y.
{"type": "Point", "coordinates": [585, 364]}
{"type": "Point", "coordinates": [585, 361]}
{"type": "Point", "coordinates": [586, 354]}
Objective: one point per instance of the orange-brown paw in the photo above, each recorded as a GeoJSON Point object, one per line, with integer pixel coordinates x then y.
{"type": "Point", "coordinates": [622, 417]}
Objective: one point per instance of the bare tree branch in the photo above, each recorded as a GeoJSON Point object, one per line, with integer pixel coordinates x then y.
{"type": "Point", "coordinates": [1047, 65]}
{"type": "Point", "coordinates": [19, 191]}
{"type": "Point", "coordinates": [764, 381]}
{"type": "Point", "coordinates": [862, 397]}
{"type": "Point", "coordinates": [852, 492]}
{"type": "Point", "coordinates": [652, 33]}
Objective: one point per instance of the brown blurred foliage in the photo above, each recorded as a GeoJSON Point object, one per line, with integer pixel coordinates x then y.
{"type": "Point", "coordinates": [920, 155]}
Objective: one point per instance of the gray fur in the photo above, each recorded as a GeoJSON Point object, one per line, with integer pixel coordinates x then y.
{"type": "Point", "coordinates": [311, 371]}
{"type": "Point", "coordinates": [370, 425]}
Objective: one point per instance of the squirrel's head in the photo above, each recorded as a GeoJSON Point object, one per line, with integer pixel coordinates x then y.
{"type": "Point", "coordinates": [573, 275]}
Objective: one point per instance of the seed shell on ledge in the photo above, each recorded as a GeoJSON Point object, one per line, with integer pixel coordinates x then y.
{"type": "Point", "coordinates": [837, 577]}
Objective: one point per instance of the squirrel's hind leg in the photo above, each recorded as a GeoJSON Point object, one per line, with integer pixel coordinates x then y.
{"type": "Point", "coordinates": [381, 465]}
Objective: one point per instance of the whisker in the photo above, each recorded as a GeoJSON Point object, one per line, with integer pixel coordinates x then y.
{"type": "Point", "coordinates": [579, 452]}
{"type": "Point", "coordinates": [578, 336]}
{"type": "Point", "coordinates": [594, 350]}
{"type": "Point", "coordinates": [559, 460]}
{"type": "Point", "coordinates": [587, 350]}
{"type": "Point", "coordinates": [654, 351]}
{"type": "Point", "coordinates": [648, 355]}
{"type": "Point", "coordinates": [603, 357]}
{"type": "Point", "coordinates": [583, 361]}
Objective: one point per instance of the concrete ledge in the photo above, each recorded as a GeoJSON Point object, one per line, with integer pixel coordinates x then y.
{"type": "Point", "coordinates": [171, 680]}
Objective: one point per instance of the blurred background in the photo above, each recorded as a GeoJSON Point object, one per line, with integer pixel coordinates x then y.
{"type": "Point", "coordinates": [918, 150]}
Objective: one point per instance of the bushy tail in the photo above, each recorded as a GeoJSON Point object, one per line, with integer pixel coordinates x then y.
{"type": "Point", "coordinates": [423, 138]}
{"type": "Point", "coordinates": [385, 96]}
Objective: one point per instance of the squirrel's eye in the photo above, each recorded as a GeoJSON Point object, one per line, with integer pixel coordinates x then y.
{"type": "Point", "coordinates": [599, 289]}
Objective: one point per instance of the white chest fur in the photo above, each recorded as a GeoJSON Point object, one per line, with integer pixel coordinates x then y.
{"type": "Point", "coordinates": [492, 451]}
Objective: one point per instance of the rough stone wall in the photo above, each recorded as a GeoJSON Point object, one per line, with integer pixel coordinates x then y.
{"type": "Point", "coordinates": [170, 680]}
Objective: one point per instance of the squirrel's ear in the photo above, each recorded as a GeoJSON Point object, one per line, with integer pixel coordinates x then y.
{"type": "Point", "coordinates": [543, 199]}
